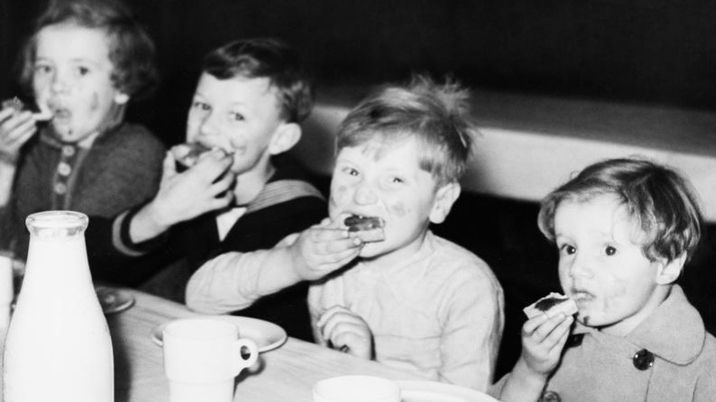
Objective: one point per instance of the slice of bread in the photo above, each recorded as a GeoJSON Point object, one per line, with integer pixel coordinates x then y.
{"type": "Point", "coordinates": [555, 303]}
{"type": "Point", "coordinates": [367, 228]}
{"type": "Point", "coordinates": [18, 105]}
{"type": "Point", "coordinates": [14, 103]}
{"type": "Point", "coordinates": [188, 154]}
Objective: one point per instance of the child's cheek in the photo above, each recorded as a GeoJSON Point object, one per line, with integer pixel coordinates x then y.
{"type": "Point", "coordinates": [615, 290]}
{"type": "Point", "coordinates": [398, 209]}
{"type": "Point", "coordinates": [192, 127]}
{"type": "Point", "coordinates": [40, 87]}
{"type": "Point", "coordinates": [94, 102]}
{"type": "Point", "coordinates": [338, 196]}
{"type": "Point", "coordinates": [615, 286]}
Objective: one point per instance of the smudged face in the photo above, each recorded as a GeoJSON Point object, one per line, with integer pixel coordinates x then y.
{"type": "Point", "coordinates": [239, 115]}
{"type": "Point", "coordinates": [386, 183]}
{"type": "Point", "coordinates": [72, 78]}
{"type": "Point", "coordinates": [602, 266]}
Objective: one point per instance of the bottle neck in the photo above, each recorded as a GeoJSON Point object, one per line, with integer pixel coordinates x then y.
{"type": "Point", "coordinates": [57, 257]}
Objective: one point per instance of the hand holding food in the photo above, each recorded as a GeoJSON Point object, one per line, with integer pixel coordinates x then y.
{"type": "Point", "coordinates": [16, 128]}
{"type": "Point", "coordinates": [185, 196]}
{"type": "Point", "coordinates": [545, 332]}
{"type": "Point", "coordinates": [323, 248]}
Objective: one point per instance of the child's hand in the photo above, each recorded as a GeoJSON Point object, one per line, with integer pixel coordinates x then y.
{"type": "Point", "coordinates": [323, 248]}
{"type": "Point", "coordinates": [543, 338]}
{"type": "Point", "coordinates": [346, 331]}
{"type": "Point", "coordinates": [15, 129]}
{"type": "Point", "coordinates": [205, 187]}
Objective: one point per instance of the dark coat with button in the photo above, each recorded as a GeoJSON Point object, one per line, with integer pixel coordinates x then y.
{"type": "Point", "coordinates": [668, 358]}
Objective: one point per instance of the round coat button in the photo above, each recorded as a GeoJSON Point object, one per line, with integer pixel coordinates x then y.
{"type": "Point", "coordinates": [60, 188]}
{"type": "Point", "coordinates": [64, 169]}
{"type": "Point", "coordinates": [550, 396]}
{"type": "Point", "coordinates": [68, 150]}
{"type": "Point", "coordinates": [643, 359]}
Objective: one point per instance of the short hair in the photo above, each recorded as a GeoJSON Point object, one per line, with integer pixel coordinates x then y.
{"type": "Point", "coordinates": [266, 58]}
{"type": "Point", "coordinates": [131, 50]}
{"type": "Point", "coordinates": [660, 200]}
{"type": "Point", "coordinates": [435, 114]}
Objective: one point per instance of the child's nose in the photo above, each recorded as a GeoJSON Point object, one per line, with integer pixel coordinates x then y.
{"type": "Point", "coordinates": [365, 194]}
{"type": "Point", "coordinates": [207, 126]}
{"type": "Point", "coordinates": [581, 267]}
{"type": "Point", "coordinates": [59, 82]}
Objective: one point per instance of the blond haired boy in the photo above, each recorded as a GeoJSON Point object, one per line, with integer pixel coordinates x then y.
{"type": "Point", "coordinates": [406, 297]}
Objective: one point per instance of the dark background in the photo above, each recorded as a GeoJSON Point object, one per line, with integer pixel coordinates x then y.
{"type": "Point", "coordinates": [645, 51]}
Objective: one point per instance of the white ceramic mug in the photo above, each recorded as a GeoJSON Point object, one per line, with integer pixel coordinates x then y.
{"type": "Point", "coordinates": [201, 358]}
{"type": "Point", "coordinates": [356, 388]}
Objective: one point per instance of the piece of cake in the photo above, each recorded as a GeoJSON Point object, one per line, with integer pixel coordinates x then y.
{"type": "Point", "coordinates": [367, 228]}
{"type": "Point", "coordinates": [555, 303]}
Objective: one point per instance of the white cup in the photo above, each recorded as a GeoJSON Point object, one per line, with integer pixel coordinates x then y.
{"type": "Point", "coordinates": [201, 358]}
{"type": "Point", "coordinates": [356, 388]}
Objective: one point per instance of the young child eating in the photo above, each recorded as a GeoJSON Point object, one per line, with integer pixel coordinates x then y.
{"type": "Point", "coordinates": [624, 229]}
{"type": "Point", "coordinates": [84, 62]}
{"type": "Point", "coordinates": [384, 286]}
{"type": "Point", "coordinates": [243, 194]}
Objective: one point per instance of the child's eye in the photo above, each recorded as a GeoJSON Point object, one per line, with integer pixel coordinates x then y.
{"type": "Point", "coordinates": [42, 69]}
{"type": "Point", "coordinates": [610, 250]}
{"type": "Point", "coordinates": [202, 106]}
{"type": "Point", "coordinates": [349, 171]}
{"type": "Point", "coordinates": [567, 249]}
{"type": "Point", "coordinates": [236, 116]}
{"type": "Point", "coordinates": [397, 180]}
{"type": "Point", "coordinates": [82, 71]}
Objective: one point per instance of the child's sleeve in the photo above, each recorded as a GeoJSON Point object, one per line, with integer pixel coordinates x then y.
{"type": "Point", "coordinates": [473, 318]}
{"type": "Point", "coordinates": [315, 294]}
{"type": "Point", "coordinates": [234, 281]}
{"type": "Point", "coordinates": [705, 386]}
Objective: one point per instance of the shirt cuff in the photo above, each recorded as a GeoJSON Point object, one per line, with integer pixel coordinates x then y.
{"type": "Point", "coordinates": [122, 240]}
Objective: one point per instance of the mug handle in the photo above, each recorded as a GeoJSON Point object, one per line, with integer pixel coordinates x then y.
{"type": "Point", "coordinates": [240, 362]}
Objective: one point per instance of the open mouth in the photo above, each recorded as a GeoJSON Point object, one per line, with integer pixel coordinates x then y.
{"type": "Point", "coordinates": [62, 113]}
{"type": "Point", "coordinates": [582, 297]}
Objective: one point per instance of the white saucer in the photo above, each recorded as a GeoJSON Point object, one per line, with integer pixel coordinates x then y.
{"type": "Point", "coordinates": [113, 300]}
{"type": "Point", "coordinates": [433, 391]}
{"type": "Point", "coordinates": [267, 335]}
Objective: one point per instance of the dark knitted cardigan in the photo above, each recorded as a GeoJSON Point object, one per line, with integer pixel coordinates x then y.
{"type": "Point", "coordinates": [121, 169]}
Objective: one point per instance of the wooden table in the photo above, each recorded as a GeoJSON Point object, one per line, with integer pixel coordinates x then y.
{"type": "Point", "coordinates": [286, 374]}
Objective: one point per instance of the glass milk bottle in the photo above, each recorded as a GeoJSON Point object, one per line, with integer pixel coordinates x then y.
{"type": "Point", "coordinates": [58, 346]}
